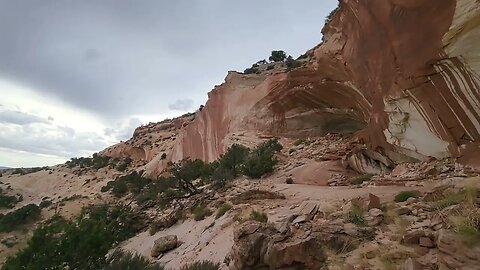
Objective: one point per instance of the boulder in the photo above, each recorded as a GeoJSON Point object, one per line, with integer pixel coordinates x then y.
{"type": "Point", "coordinates": [163, 244]}
{"type": "Point", "coordinates": [373, 201]}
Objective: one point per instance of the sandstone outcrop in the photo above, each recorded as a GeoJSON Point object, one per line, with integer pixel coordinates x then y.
{"type": "Point", "coordinates": [402, 75]}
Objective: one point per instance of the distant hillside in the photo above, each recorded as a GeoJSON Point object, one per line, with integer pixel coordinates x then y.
{"type": "Point", "coordinates": [1, 168]}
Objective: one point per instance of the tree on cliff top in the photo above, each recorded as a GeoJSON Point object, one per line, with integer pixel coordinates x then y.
{"type": "Point", "coordinates": [278, 56]}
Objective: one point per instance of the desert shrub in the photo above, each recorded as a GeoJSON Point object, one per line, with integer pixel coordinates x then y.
{"type": "Point", "coordinates": [19, 171]}
{"type": "Point", "coordinates": [277, 56]}
{"type": "Point", "coordinates": [289, 180]}
{"type": "Point", "coordinates": [363, 178]}
{"type": "Point", "coordinates": [355, 215]}
{"type": "Point", "coordinates": [45, 203]}
{"type": "Point", "coordinates": [129, 261]}
{"type": "Point", "coordinates": [259, 216]}
{"type": "Point", "coordinates": [7, 201]}
{"type": "Point", "coordinates": [270, 67]}
{"type": "Point", "coordinates": [224, 208]}
{"type": "Point", "coordinates": [405, 195]}
{"type": "Point", "coordinates": [163, 156]}
{"type": "Point", "coordinates": [96, 162]}
{"type": "Point", "coordinates": [187, 170]}
{"type": "Point", "coordinates": [122, 166]}
{"type": "Point", "coordinates": [262, 160]}
{"type": "Point", "coordinates": [292, 64]}
{"type": "Point", "coordinates": [233, 159]}
{"type": "Point", "coordinates": [203, 265]}
{"type": "Point", "coordinates": [13, 220]}
{"type": "Point", "coordinates": [200, 212]}
{"type": "Point", "coordinates": [251, 70]}
{"type": "Point", "coordinates": [78, 244]}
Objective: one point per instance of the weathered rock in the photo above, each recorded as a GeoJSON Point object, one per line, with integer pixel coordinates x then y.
{"type": "Point", "coordinates": [259, 246]}
{"type": "Point", "coordinates": [163, 244]}
{"type": "Point", "coordinates": [373, 201]}
{"type": "Point", "coordinates": [413, 238]}
{"type": "Point", "coordinates": [454, 254]}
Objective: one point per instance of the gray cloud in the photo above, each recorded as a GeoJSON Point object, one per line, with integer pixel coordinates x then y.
{"type": "Point", "coordinates": [49, 140]}
{"type": "Point", "coordinates": [181, 105]}
{"type": "Point", "coordinates": [120, 57]}
{"type": "Point", "coordinates": [21, 118]}
{"type": "Point", "coordinates": [123, 132]}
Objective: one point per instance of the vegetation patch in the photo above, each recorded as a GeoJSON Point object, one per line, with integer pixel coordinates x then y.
{"type": "Point", "coordinates": [355, 215]}
{"type": "Point", "coordinates": [128, 261]}
{"type": "Point", "coordinates": [200, 212]}
{"type": "Point", "coordinates": [259, 216]}
{"type": "Point", "coordinates": [15, 219]}
{"type": "Point", "coordinates": [78, 244]}
{"type": "Point", "coordinates": [405, 195]}
{"type": "Point", "coordinates": [9, 201]}
{"type": "Point", "coordinates": [224, 208]}
{"type": "Point", "coordinates": [204, 265]}
{"type": "Point", "coordinates": [363, 178]}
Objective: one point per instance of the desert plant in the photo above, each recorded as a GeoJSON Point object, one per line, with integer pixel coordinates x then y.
{"type": "Point", "coordinates": [163, 156]}
{"type": "Point", "coordinates": [128, 261]}
{"type": "Point", "coordinates": [200, 212]}
{"type": "Point", "coordinates": [355, 215]}
{"type": "Point", "coordinates": [277, 56]}
{"type": "Point", "coordinates": [405, 195]}
{"type": "Point", "coordinates": [256, 194]}
{"type": "Point", "coordinates": [203, 265]}
{"type": "Point", "coordinates": [224, 208]}
{"type": "Point", "coordinates": [261, 160]}
{"type": "Point", "coordinates": [13, 220]}
{"type": "Point", "coordinates": [81, 243]}
{"type": "Point", "coordinates": [259, 216]}
{"type": "Point", "coordinates": [363, 178]}
{"type": "Point", "coordinates": [45, 203]}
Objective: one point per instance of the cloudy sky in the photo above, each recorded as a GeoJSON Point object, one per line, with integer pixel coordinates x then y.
{"type": "Point", "coordinates": [79, 75]}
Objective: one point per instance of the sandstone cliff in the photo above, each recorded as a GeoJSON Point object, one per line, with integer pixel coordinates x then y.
{"type": "Point", "coordinates": [402, 74]}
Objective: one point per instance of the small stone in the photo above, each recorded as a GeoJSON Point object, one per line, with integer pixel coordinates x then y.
{"type": "Point", "coordinates": [163, 244]}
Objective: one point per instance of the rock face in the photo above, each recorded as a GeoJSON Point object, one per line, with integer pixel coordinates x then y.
{"type": "Point", "coordinates": [404, 68]}
{"type": "Point", "coordinates": [402, 74]}
{"type": "Point", "coordinates": [454, 254]}
{"type": "Point", "coordinates": [163, 244]}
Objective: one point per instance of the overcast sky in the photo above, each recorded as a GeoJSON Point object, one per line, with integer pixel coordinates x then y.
{"type": "Point", "coordinates": [79, 75]}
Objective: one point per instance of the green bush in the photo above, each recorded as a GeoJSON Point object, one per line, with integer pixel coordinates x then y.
{"type": "Point", "coordinates": [128, 261]}
{"type": "Point", "coordinates": [78, 244]}
{"type": "Point", "coordinates": [204, 265]}
{"type": "Point", "coordinates": [13, 220]}
{"type": "Point", "coordinates": [233, 159]}
{"type": "Point", "coordinates": [224, 208]}
{"type": "Point", "coordinates": [261, 160]}
{"type": "Point", "coordinates": [259, 216]}
{"type": "Point", "coordinates": [405, 195]}
{"type": "Point", "coordinates": [277, 56]}
{"type": "Point", "coordinates": [7, 201]}
{"type": "Point", "coordinates": [355, 215]}
{"type": "Point", "coordinates": [200, 212]}
{"type": "Point", "coordinates": [45, 204]}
